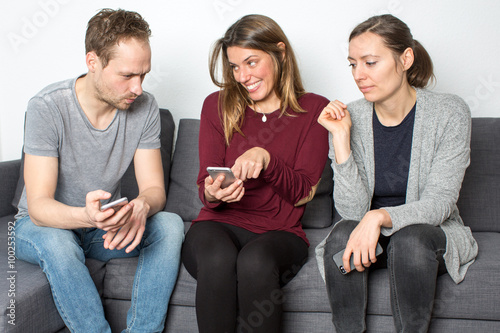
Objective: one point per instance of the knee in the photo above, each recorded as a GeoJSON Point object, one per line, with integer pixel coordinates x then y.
{"type": "Point", "coordinates": [255, 264]}
{"type": "Point", "coordinates": [210, 256]}
{"type": "Point", "coordinates": [50, 245]}
{"type": "Point", "coordinates": [166, 226]}
{"type": "Point", "coordinates": [415, 245]}
{"type": "Point", "coordinates": [339, 236]}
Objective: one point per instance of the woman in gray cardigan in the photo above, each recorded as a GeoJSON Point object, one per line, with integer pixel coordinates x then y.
{"type": "Point", "coordinates": [399, 156]}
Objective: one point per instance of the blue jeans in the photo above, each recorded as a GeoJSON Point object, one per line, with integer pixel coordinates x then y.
{"type": "Point", "coordinates": [414, 258]}
{"type": "Point", "coordinates": [61, 255]}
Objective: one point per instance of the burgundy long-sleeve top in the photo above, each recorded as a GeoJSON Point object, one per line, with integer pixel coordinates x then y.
{"type": "Point", "coordinates": [298, 146]}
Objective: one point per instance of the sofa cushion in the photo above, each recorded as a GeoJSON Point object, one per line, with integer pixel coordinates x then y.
{"type": "Point", "coordinates": [183, 192]}
{"type": "Point", "coordinates": [319, 211]}
{"type": "Point", "coordinates": [476, 297]}
{"type": "Point", "coordinates": [34, 306]}
{"type": "Point", "coordinates": [480, 193]}
{"type": "Point", "coordinates": [129, 187]}
{"type": "Point", "coordinates": [8, 186]}
{"type": "Point", "coordinates": [20, 183]}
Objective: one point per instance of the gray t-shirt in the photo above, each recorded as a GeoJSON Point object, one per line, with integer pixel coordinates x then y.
{"type": "Point", "coordinates": [89, 158]}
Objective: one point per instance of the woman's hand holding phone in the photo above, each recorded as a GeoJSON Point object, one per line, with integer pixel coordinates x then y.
{"type": "Point", "coordinates": [223, 186]}
{"type": "Point", "coordinates": [363, 240]}
{"type": "Point", "coordinates": [248, 166]}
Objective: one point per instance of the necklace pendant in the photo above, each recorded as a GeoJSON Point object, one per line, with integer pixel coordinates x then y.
{"type": "Point", "coordinates": [264, 118]}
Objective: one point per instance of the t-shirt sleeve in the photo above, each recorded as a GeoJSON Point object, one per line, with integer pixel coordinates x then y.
{"type": "Point", "coordinates": [150, 138]}
{"type": "Point", "coordinates": [42, 132]}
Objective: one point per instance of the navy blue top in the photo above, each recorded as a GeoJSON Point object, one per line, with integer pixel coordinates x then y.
{"type": "Point", "coordinates": [392, 160]}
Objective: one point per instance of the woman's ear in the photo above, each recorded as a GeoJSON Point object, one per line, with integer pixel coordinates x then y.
{"type": "Point", "coordinates": [407, 58]}
{"type": "Point", "coordinates": [282, 46]}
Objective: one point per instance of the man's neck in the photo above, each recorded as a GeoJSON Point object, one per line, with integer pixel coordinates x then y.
{"type": "Point", "coordinates": [98, 112]}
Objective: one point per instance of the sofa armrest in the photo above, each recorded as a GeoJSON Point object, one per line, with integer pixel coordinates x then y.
{"type": "Point", "coordinates": [8, 183]}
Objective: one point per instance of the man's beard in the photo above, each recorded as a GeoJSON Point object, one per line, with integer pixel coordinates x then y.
{"type": "Point", "coordinates": [103, 95]}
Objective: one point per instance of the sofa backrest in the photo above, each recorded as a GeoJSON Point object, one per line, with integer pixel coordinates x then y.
{"type": "Point", "coordinates": [183, 196]}
{"type": "Point", "coordinates": [129, 187]}
{"type": "Point", "coordinates": [479, 201]}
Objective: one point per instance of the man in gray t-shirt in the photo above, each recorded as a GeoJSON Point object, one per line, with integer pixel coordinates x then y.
{"type": "Point", "coordinates": [80, 137]}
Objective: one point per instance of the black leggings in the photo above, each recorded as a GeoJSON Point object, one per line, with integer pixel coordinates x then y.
{"type": "Point", "coordinates": [240, 270]}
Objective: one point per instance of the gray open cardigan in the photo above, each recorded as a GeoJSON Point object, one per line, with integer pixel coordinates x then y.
{"type": "Point", "coordinates": [439, 157]}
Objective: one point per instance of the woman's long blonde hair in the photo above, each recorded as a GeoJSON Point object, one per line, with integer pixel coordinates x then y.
{"type": "Point", "coordinates": [260, 33]}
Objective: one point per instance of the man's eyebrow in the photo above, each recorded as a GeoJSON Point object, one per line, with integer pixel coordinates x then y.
{"type": "Point", "coordinates": [132, 74]}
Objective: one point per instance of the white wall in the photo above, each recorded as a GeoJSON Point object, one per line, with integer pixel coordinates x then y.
{"type": "Point", "coordinates": [42, 41]}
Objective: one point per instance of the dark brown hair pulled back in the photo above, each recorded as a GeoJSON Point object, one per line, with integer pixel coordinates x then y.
{"type": "Point", "coordinates": [397, 37]}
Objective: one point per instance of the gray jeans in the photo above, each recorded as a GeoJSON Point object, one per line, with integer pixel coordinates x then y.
{"type": "Point", "coordinates": [414, 257]}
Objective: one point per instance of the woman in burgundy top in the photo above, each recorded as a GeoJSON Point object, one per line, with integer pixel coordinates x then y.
{"type": "Point", "coordinates": [247, 241]}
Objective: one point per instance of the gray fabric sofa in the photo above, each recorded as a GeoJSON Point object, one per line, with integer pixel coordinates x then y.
{"type": "Point", "coordinates": [472, 306]}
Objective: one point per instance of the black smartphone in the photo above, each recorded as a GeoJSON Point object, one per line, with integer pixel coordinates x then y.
{"type": "Point", "coordinates": [337, 258]}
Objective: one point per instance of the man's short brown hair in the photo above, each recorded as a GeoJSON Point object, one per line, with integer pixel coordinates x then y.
{"type": "Point", "coordinates": [109, 27]}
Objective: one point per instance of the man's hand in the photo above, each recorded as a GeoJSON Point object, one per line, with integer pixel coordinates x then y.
{"type": "Point", "coordinates": [109, 220]}
{"type": "Point", "coordinates": [133, 229]}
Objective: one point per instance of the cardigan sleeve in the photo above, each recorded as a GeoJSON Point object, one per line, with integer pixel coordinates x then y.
{"type": "Point", "coordinates": [351, 190]}
{"type": "Point", "coordinates": [437, 196]}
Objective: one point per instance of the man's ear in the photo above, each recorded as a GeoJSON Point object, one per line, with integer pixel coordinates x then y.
{"type": "Point", "coordinates": [407, 58]}
{"type": "Point", "coordinates": [92, 61]}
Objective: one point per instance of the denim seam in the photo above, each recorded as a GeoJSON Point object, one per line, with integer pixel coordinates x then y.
{"type": "Point", "coordinates": [135, 291]}
{"type": "Point", "coordinates": [54, 294]}
{"type": "Point", "coordinates": [397, 315]}
{"type": "Point", "coordinates": [365, 301]}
